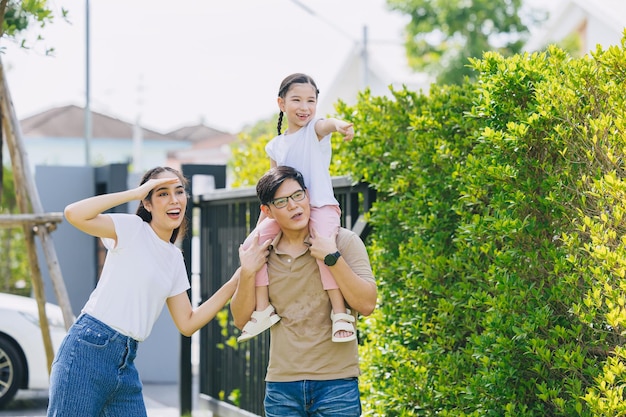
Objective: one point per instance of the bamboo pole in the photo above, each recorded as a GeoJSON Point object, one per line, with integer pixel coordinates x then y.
{"type": "Point", "coordinates": [28, 202]}
{"type": "Point", "coordinates": [48, 220]}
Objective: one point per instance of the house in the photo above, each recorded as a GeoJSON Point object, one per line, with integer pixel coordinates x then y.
{"type": "Point", "coordinates": [57, 137]}
{"type": "Point", "coordinates": [209, 146]}
{"type": "Point", "coordinates": [377, 66]}
{"type": "Point", "coordinates": [593, 22]}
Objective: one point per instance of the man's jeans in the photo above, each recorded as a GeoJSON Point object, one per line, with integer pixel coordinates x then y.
{"type": "Point", "coordinates": [333, 398]}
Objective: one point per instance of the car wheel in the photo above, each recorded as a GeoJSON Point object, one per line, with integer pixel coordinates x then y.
{"type": "Point", "coordinates": [11, 371]}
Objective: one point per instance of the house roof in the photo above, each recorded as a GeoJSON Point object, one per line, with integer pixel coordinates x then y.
{"type": "Point", "coordinates": [69, 122]}
{"type": "Point", "coordinates": [611, 12]}
{"type": "Point", "coordinates": [568, 16]}
{"type": "Point", "coordinates": [209, 145]}
{"type": "Point", "coordinates": [387, 65]}
{"type": "Point", "coordinates": [197, 133]}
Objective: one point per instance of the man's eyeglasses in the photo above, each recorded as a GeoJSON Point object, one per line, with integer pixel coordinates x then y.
{"type": "Point", "coordinates": [283, 201]}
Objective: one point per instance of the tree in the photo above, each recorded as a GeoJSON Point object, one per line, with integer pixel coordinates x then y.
{"type": "Point", "coordinates": [249, 160]}
{"type": "Point", "coordinates": [18, 16]}
{"type": "Point", "coordinates": [443, 34]}
{"type": "Point", "coordinates": [15, 18]}
{"type": "Point", "coordinates": [13, 257]}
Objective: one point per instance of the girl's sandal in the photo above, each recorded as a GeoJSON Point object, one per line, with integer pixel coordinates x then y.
{"type": "Point", "coordinates": [343, 321]}
{"type": "Point", "coordinates": [263, 320]}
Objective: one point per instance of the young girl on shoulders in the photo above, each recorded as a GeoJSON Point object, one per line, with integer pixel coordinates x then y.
{"type": "Point", "coordinates": [305, 146]}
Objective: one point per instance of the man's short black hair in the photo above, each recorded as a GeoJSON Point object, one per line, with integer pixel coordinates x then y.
{"type": "Point", "coordinates": [273, 179]}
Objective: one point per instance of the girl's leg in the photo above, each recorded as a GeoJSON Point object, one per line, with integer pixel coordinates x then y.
{"type": "Point", "coordinates": [326, 221]}
{"type": "Point", "coordinates": [337, 301]}
{"type": "Point", "coordinates": [267, 229]}
{"type": "Point", "coordinates": [264, 315]}
{"type": "Point", "coordinates": [262, 297]}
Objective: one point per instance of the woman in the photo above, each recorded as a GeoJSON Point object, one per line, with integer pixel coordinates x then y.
{"type": "Point", "coordinates": [93, 373]}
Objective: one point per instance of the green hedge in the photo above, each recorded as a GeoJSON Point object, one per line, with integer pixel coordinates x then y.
{"type": "Point", "coordinates": [498, 240]}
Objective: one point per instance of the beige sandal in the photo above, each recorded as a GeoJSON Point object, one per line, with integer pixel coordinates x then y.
{"type": "Point", "coordinates": [264, 320]}
{"type": "Point", "coordinates": [343, 321]}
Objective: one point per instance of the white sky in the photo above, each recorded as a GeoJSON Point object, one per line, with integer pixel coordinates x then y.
{"type": "Point", "coordinates": [175, 63]}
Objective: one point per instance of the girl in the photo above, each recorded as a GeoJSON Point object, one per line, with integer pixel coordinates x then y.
{"type": "Point", "coordinates": [93, 373]}
{"type": "Point", "coordinates": [306, 147]}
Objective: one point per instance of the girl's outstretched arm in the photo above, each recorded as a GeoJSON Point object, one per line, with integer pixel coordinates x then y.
{"type": "Point", "coordinates": [325, 126]}
{"type": "Point", "coordinates": [86, 215]}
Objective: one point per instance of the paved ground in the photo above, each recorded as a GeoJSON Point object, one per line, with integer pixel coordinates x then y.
{"type": "Point", "coordinates": [161, 401]}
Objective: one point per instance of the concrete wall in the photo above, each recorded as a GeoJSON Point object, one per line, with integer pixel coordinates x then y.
{"type": "Point", "coordinates": [76, 251]}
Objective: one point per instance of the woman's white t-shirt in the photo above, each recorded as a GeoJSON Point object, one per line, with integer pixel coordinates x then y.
{"type": "Point", "coordinates": [139, 274]}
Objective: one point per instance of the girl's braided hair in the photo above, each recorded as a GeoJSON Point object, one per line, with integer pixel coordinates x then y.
{"type": "Point", "coordinates": [297, 78]}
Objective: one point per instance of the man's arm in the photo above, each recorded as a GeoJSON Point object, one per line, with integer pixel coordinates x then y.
{"type": "Point", "coordinates": [243, 302]}
{"type": "Point", "coordinates": [351, 275]}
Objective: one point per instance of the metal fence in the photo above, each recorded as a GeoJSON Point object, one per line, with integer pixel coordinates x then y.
{"type": "Point", "coordinates": [231, 373]}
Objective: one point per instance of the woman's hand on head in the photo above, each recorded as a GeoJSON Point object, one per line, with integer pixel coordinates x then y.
{"type": "Point", "coordinates": [144, 189]}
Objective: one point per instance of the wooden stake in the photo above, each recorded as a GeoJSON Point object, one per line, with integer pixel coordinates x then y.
{"type": "Point", "coordinates": [29, 202]}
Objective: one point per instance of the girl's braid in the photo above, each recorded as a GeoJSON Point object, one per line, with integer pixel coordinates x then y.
{"type": "Point", "coordinates": [280, 122]}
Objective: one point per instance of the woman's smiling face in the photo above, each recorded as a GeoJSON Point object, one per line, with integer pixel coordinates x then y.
{"type": "Point", "coordinates": [167, 205]}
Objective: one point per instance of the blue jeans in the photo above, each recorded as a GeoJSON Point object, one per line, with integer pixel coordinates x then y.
{"type": "Point", "coordinates": [332, 398]}
{"type": "Point", "coordinates": [93, 374]}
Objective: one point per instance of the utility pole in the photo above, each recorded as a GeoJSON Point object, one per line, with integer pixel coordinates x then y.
{"type": "Point", "coordinates": [88, 121]}
{"type": "Point", "coordinates": [365, 60]}
{"type": "Point", "coordinates": [363, 42]}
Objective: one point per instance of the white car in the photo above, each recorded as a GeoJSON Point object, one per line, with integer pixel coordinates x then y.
{"type": "Point", "coordinates": [23, 362]}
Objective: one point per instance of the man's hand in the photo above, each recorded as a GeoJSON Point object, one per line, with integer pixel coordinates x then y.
{"type": "Point", "coordinates": [321, 245]}
{"type": "Point", "coordinates": [254, 257]}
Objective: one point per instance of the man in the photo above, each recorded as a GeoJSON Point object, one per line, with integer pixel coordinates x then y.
{"type": "Point", "coordinates": [307, 374]}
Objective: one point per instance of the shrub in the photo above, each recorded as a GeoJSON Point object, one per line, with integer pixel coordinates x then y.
{"type": "Point", "coordinates": [498, 240]}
